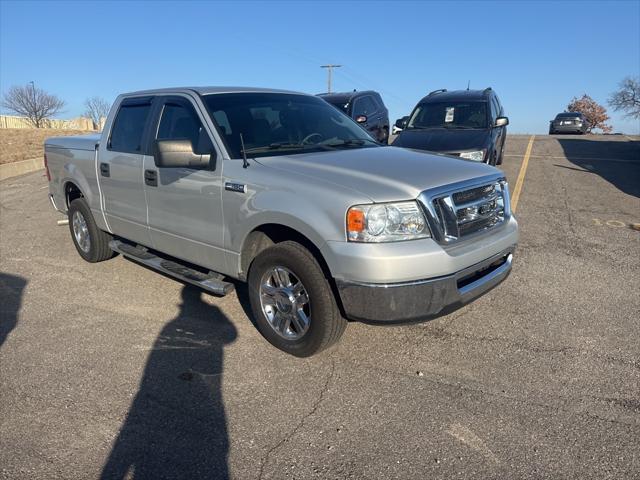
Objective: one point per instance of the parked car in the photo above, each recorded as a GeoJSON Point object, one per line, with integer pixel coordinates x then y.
{"type": "Point", "coordinates": [569, 122]}
{"type": "Point", "coordinates": [465, 123]}
{"type": "Point", "coordinates": [281, 190]}
{"type": "Point", "coordinates": [366, 108]}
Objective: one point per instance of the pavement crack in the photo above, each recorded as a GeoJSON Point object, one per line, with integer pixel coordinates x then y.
{"type": "Point", "coordinates": [565, 402]}
{"type": "Point", "coordinates": [292, 433]}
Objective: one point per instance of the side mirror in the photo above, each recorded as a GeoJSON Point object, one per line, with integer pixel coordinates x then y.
{"type": "Point", "coordinates": [179, 154]}
{"type": "Point", "coordinates": [361, 119]}
{"type": "Point", "coordinates": [402, 122]}
{"type": "Point", "coordinates": [502, 122]}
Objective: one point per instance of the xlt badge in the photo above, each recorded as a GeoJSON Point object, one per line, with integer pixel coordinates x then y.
{"type": "Point", "coordinates": [235, 187]}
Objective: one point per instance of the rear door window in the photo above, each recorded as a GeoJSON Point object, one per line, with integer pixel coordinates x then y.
{"type": "Point", "coordinates": [364, 106]}
{"type": "Point", "coordinates": [128, 128]}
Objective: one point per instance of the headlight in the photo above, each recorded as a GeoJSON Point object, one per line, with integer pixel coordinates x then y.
{"type": "Point", "coordinates": [386, 222]}
{"type": "Point", "coordinates": [476, 155]}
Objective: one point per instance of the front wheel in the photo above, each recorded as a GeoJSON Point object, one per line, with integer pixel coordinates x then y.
{"type": "Point", "coordinates": [385, 136]}
{"type": "Point", "coordinates": [292, 301]}
{"type": "Point", "coordinates": [91, 243]}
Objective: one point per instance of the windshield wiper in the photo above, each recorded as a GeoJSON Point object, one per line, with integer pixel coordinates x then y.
{"type": "Point", "coordinates": [358, 142]}
{"type": "Point", "coordinates": [461, 127]}
{"type": "Point", "coordinates": [277, 146]}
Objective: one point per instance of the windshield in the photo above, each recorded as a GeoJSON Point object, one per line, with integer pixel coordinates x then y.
{"type": "Point", "coordinates": [449, 115]}
{"type": "Point", "coordinates": [342, 106]}
{"type": "Point", "coordinates": [568, 115]}
{"type": "Point", "coordinates": [282, 124]}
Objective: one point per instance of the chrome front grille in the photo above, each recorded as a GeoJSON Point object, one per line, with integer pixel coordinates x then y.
{"type": "Point", "coordinates": [463, 209]}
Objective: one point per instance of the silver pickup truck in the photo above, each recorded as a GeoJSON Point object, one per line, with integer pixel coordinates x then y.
{"type": "Point", "coordinates": [283, 191]}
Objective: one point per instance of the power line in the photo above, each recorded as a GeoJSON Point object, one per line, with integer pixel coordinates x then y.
{"type": "Point", "coordinates": [329, 68]}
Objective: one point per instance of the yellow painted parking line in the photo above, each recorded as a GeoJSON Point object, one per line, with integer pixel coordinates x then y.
{"type": "Point", "coordinates": [523, 170]}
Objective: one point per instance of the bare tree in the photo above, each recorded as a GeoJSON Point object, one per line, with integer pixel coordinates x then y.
{"type": "Point", "coordinates": [627, 98]}
{"type": "Point", "coordinates": [96, 109]}
{"type": "Point", "coordinates": [33, 103]}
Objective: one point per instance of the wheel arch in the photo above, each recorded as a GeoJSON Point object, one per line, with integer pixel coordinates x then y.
{"type": "Point", "coordinates": [71, 191]}
{"type": "Point", "coordinates": [268, 234]}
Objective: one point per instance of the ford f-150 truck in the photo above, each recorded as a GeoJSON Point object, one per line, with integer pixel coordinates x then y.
{"type": "Point", "coordinates": [283, 191]}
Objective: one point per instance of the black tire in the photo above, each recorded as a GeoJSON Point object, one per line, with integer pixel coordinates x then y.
{"type": "Point", "coordinates": [385, 136]}
{"type": "Point", "coordinates": [98, 246]}
{"type": "Point", "coordinates": [326, 324]}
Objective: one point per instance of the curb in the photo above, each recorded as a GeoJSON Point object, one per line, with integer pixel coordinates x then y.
{"type": "Point", "coordinates": [8, 170]}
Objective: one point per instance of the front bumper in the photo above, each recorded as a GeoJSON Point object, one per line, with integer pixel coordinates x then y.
{"type": "Point", "coordinates": [423, 299]}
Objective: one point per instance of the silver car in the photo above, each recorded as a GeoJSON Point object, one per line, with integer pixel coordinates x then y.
{"type": "Point", "coordinates": [569, 122]}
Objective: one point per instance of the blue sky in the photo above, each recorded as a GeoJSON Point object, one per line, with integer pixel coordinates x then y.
{"type": "Point", "coordinates": [536, 55]}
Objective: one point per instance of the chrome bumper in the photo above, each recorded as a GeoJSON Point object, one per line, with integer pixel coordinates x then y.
{"type": "Point", "coordinates": [423, 299]}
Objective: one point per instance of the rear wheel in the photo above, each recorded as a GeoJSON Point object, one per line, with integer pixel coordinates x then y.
{"type": "Point", "coordinates": [292, 301]}
{"type": "Point", "coordinates": [385, 136]}
{"type": "Point", "coordinates": [91, 243]}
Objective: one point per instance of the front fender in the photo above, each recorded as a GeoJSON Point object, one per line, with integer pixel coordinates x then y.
{"type": "Point", "coordinates": [317, 221]}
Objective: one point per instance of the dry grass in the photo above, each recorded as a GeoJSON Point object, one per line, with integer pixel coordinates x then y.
{"type": "Point", "coordinates": [25, 143]}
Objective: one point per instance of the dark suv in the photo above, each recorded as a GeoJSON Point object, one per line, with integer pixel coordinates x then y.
{"type": "Point", "coordinates": [366, 108]}
{"type": "Point", "coordinates": [465, 123]}
{"type": "Point", "coordinates": [569, 122]}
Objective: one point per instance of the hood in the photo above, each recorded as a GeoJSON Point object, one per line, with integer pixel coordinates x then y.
{"type": "Point", "coordinates": [383, 173]}
{"type": "Point", "coordinates": [442, 139]}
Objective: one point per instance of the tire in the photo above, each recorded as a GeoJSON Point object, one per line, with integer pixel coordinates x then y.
{"type": "Point", "coordinates": [493, 160]}
{"type": "Point", "coordinates": [96, 249]}
{"type": "Point", "coordinates": [272, 308]}
{"type": "Point", "coordinates": [385, 136]}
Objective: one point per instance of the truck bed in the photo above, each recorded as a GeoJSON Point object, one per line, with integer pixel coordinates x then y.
{"type": "Point", "coordinates": [75, 142]}
{"type": "Point", "coordinates": [73, 159]}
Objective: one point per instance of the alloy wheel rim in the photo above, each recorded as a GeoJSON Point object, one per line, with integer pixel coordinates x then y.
{"type": "Point", "coordinates": [81, 232]}
{"type": "Point", "coordinates": [285, 303]}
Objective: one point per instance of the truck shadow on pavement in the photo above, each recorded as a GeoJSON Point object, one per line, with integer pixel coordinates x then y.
{"type": "Point", "coordinates": [11, 291]}
{"type": "Point", "coordinates": [616, 162]}
{"type": "Point", "coordinates": [176, 426]}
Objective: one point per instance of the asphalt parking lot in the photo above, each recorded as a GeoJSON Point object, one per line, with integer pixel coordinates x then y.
{"type": "Point", "coordinates": [113, 370]}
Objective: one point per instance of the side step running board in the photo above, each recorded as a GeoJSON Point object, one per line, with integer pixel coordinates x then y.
{"type": "Point", "coordinates": [211, 282]}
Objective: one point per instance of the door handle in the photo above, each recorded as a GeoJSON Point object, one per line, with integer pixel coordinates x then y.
{"type": "Point", "coordinates": [151, 177]}
{"type": "Point", "coordinates": [104, 170]}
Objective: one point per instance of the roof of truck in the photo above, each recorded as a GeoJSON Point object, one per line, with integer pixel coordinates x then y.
{"type": "Point", "coordinates": [456, 95]}
{"type": "Point", "coordinates": [344, 96]}
{"type": "Point", "coordinates": [210, 90]}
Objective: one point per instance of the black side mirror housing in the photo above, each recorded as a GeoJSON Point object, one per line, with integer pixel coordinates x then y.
{"type": "Point", "coordinates": [179, 154]}
{"type": "Point", "coordinates": [402, 122]}
{"type": "Point", "coordinates": [502, 122]}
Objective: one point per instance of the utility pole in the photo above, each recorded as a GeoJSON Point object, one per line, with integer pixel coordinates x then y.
{"type": "Point", "coordinates": [329, 68]}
